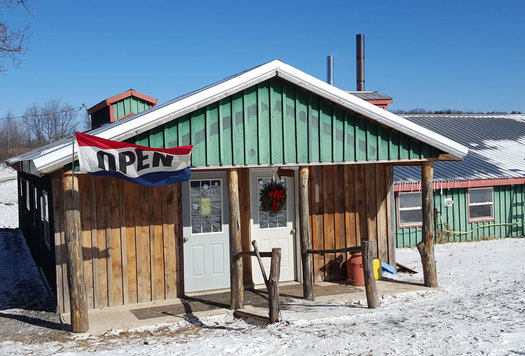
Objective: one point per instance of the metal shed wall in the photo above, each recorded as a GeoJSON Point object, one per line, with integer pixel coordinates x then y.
{"type": "Point", "coordinates": [275, 122]}
{"type": "Point", "coordinates": [509, 207]}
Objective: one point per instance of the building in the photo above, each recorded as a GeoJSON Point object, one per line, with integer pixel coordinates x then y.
{"type": "Point", "coordinates": [144, 244]}
{"type": "Point", "coordinates": [480, 197]}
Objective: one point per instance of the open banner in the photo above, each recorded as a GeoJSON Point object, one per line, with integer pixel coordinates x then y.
{"type": "Point", "coordinates": [140, 164]}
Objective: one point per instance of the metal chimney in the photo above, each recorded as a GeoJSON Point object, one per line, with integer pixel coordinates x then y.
{"type": "Point", "coordinates": [330, 70]}
{"type": "Point", "coordinates": [360, 61]}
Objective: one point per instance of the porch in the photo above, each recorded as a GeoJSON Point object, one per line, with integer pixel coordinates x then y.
{"type": "Point", "coordinates": [200, 305]}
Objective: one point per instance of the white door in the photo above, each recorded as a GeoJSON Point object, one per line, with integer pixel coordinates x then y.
{"type": "Point", "coordinates": [272, 229]}
{"type": "Point", "coordinates": [205, 232]}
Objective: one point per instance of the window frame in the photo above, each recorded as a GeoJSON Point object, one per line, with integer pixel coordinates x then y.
{"type": "Point", "coordinates": [399, 209]}
{"type": "Point", "coordinates": [222, 205]}
{"type": "Point", "coordinates": [484, 218]}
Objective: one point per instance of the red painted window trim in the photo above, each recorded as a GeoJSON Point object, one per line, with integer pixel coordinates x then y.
{"type": "Point", "coordinates": [469, 220]}
{"type": "Point", "coordinates": [399, 225]}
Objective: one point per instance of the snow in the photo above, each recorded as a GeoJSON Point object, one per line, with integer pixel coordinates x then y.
{"type": "Point", "coordinates": [478, 309]}
{"type": "Point", "coordinates": [8, 198]}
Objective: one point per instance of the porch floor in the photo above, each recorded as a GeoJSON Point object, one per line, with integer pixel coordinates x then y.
{"type": "Point", "coordinates": [206, 304]}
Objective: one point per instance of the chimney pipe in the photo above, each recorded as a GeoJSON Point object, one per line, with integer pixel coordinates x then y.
{"type": "Point", "coordinates": [360, 61]}
{"type": "Point", "coordinates": [330, 70]}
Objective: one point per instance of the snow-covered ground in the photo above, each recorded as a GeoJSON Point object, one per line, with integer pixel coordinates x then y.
{"type": "Point", "coordinates": [8, 198]}
{"type": "Point", "coordinates": [479, 310]}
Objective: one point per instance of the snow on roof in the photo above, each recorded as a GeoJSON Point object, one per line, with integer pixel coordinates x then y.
{"type": "Point", "coordinates": [55, 156]}
{"type": "Point", "coordinates": [496, 146]}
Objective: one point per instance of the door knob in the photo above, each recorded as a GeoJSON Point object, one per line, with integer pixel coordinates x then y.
{"type": "Point", "coordinates": [292, 231]}
{"type": "Point", "coordinates": [184, 239]}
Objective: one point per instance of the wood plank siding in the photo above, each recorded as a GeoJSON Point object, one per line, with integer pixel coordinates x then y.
{"type": "Point", "coordinates": [276, 122]}
{"type": "Point", "coordinates": [348, 204]}
{"type": "Point", "coordinates": [130, 242]}
{"type": "Point", "coordinates": [509, 217]}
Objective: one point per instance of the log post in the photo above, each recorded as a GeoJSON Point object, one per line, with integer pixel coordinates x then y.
{"type": "Point", "coordinates": [273, 285]}
{"type": "Point", "coordinates": [426, 246]}
{"type": "Point", "coordinates": [236, 285]}
{"type": "Point", "coordinates": [304, 232]}
{"type": "Point", "coordinates": [75, 272]}
{"type": "Point", "coordinates": [372, 298]}
{"type": "Point", "coordinates": [259, 259]}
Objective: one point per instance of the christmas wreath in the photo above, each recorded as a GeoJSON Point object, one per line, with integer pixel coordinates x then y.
{"type": "Point", "coordinates": [273, 196]}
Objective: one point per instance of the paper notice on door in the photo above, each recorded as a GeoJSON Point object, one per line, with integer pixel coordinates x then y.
{"type": "Point", "coordinates": [205, 206]}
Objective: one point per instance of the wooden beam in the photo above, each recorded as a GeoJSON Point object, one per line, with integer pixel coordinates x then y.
{"type": "Point", "coordinates": [236, 285]}
{"type": "Point", "coordinates": [75, 272]}
{"type": "Point", "coordinates": [426, 246]}
{"type": "Point", "coordinates": [273, 285]}
{"type": "Point", "coordinates": [304, 232]}
{"type": "Point", "coordinates": [352, 249]}
{"type": "Point", "coordinates": [372, 298]}
{"type": "Point", "coordinates": [252, 253]}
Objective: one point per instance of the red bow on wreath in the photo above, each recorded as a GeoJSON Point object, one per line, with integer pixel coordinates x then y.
{"type": "Point", "coordinates": [276, 195]}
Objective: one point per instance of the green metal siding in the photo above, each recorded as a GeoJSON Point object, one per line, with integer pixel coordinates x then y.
{"type": "Point", "coordinates": [509, 207]}
{"type": "Point", "coordinates": [129, 105]}
{"type": "Point", "coordinates": [277, 122]}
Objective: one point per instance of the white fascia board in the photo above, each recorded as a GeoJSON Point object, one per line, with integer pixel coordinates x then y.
{"type": "Point", "coordinates": [372, 111]}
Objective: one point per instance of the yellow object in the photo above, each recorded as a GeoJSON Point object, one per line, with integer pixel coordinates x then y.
{"type": "Point", "coordinates": [376, 265]}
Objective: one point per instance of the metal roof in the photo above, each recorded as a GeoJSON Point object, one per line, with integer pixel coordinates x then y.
{"type": "Point", "coordinates": [370, 95]}
{"type": "Point", "coordinates": [496, 145]}
{"type": "Point", "coordinates": [55, 156]}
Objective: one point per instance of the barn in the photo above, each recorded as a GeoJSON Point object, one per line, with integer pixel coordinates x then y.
{"type": "Point", "coordinates": [270, 125]}
{"type": "Point", "coordinates": [480, 197]}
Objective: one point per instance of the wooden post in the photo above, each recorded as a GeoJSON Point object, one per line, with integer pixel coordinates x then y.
{"type": "Point", "coordinates": [236, 285]}
{"type": "Point", "coordinates": [372, 298]}
{"type": "Point", "coordinates": [304, 231]}
{"type": "Point", "coordinates": [426, 246]}
{"type": "Point", "coordinates": [273, 289]}
{"type": "Point", "coordinates": [75, 272]}
{"type": "Point", "coordinates": [259, 259]}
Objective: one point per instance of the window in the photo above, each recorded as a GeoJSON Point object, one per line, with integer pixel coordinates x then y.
{"type": "Point", "coordinates": [44, 213]}
{"type": "Point", "coordinates": [271, 220]}
{"type": "Point", "coordinates": [410, 213]}
{"type": "Point", "coordinates": [206, 205]}
{"type": "Point", "coordinates": [28, 202]}
{"type": "Point", "coordinates": [481, 203]}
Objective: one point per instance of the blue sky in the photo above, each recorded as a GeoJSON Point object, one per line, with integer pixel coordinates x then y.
{"type": "Point", "coordinates": [463, 55]}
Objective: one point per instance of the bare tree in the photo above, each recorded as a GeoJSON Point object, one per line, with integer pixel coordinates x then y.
{"type": "Point", "coordinates": [12, 42]}
{"type": "Point", "coordinates": [50, 122]}
{"type": "Point", "coordinates": [12, 138]}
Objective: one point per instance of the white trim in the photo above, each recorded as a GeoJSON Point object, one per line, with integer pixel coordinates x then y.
{"type": "Point", "coordinates": [55, 156]}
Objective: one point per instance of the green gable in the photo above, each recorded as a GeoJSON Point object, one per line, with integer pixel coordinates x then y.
{"type": "Point", "coordinates": [130, 105]}
{"type": "Point", "coordinates": [276, 122]}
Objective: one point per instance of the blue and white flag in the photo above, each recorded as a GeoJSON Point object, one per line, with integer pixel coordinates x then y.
{"type": "Point", "coordinates": [139, 164]}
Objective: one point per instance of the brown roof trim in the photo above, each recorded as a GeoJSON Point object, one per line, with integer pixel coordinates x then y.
{"type": "Point", "coordinates": [122, 96]}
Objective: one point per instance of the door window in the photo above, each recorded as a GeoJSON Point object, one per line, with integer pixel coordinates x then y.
{"type": "Point", "coordinates": [206, 205]}
{"type": "Point", "coordinates": [270, 219]}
